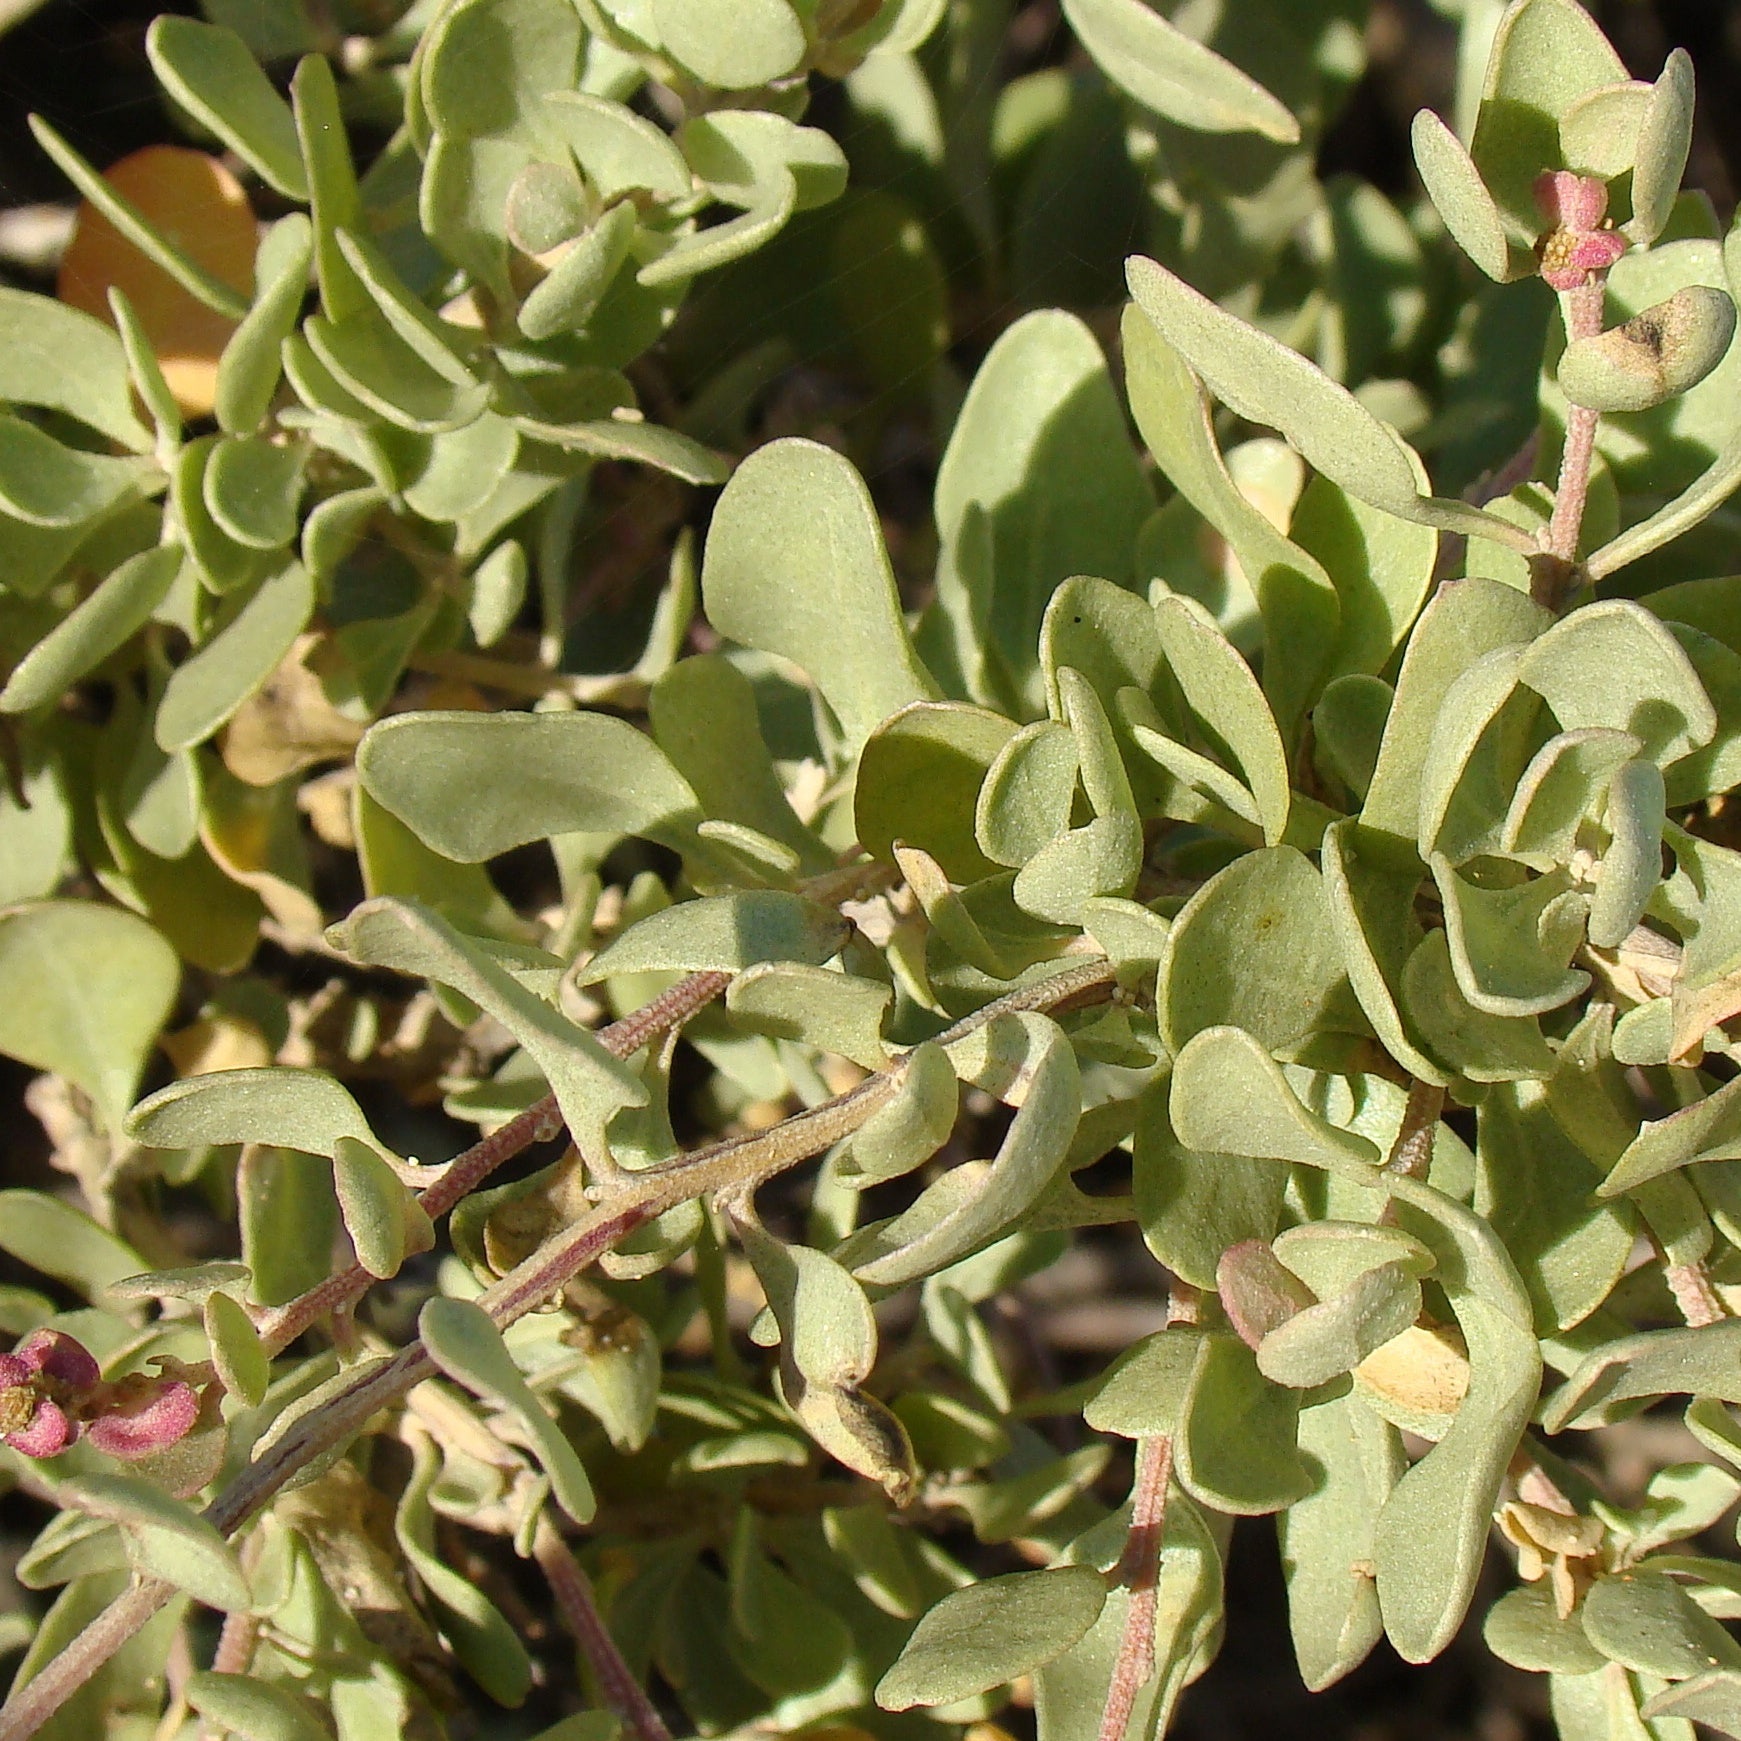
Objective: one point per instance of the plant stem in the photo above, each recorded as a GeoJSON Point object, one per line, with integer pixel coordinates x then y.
{"type": "Point", "coordinates": [1583, 316]}
{"type": "Point", "coordinates": [1412, 1152]}
{"type": "Point", "coordinates": [574, 1596]}
{"type": "Point", "coordinates": [738, 1163]}
{"type": "Point", "coordinates": [463, 1174]}
{"type": "Point", "coordinates": [1140, 1572]}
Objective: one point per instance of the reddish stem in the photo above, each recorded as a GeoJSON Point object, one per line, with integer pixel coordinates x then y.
{"type": "Point", "coordinates": [1140, 1572]}
{"type": "Point", "coordinates": [574, 1596]}
{"type": "Point", "coordinates": [1583, 317]}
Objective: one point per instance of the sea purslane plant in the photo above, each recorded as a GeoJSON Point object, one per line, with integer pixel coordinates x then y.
{"type": "Point", "coordinates": [1298, 838]}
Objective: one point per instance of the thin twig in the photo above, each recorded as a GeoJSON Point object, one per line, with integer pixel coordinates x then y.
{"type": "Point", "coordinates": [463, 1174]}
{"type": "Point", "coordinates": [574, 1596]}
{"type": "Point", "coordinates": [1140, 1573]}
{"type": "Point", "coordinates": [734, 1164]}
{"type": "Point", "coordinates": [1412, 1152]}
{"type": "Point", "coordinates": [1583, 316]}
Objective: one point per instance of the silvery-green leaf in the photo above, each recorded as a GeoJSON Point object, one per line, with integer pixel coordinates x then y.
{"type": "Point", "coordinates": [564, 300]}
{"type": "Point", "coordinates": [164, 1537]}
{"type": "Point", "coordinates": [1252, 948]}
{"type": "Point", "coordinates": [301, 1109]}
{"type": "Point", "coordinates": [1105, 632]}
{"type": "Point", "coordinates": [920, 775]}
{"type": "Point", "coordinates": [991, 1632]}
{"type": "Point", "coordinates": [244, 1368]}
{"type": "Point", "coordinates": [1653, 1363]}
{"type": "Point", "coordinates": [1266, 382]}
{"type": "Point", "coordinates": [1100, 858]}
{"type": "Point", "coordinates": [1470, 706]}
{"type": "Point", "coordinates": [724, 933]}
{"type": "Point", "coordinates": [618, 151]}
{"type": "Point", "coordinates": [1464, 620]}
{"type": "Point", "coordinates": [1599, 130]}
{"type": "Point", "coordinates": [1525, 1629]}
{"type": "Point", "coordinates": [83, 991]}
{"type": "Point", "coordinates": [1174, 75]}
{"type": "Point", "coordinates": [1039, 483]}
{"type": "Point", "coordinates": [1563, 784]}
{"type": "Point", "coordinates": [464, 469]}
{"type": "Point", "coordinates": [212, 74]}
{"type": "Point", "coordinates": [468, 1347]}
{"type": "Point", "coordinates": [483, 1640]}
{"type": "Point", "coordinates": [1510, 946]}
{"type": "Point", "coordinates": [590, 1085]}
{"type": "Point", "coordinates": [61, 358]}
{"type": "Point", "coordinates": [63, 1242]}
{"type": "Point", "coordinates": [795, 565]}
{"type": "Point", "coordinates": [331, 174]}
{"type": "Point", "coordinates": [1659, 354]}
{"type": "Point", "coordinates": [1665, 134]}
{"type": "Point", "coordinates": [1707, 1130]}
{"type": "Point", "coordinates": [1348, 727]}
{"type": "Point", "coordinates": [44, 483]}
{"type": "Point", "coordinates": [200, 284]}
{"type": "Point", "coordinates": [1545, 55]}
{"type": "Point", "coordinates": [669, 450]}
{"type": "Point", "coordinates": [912, 1127]}
{"type": "Point", "coordinates": [1326, 1538]}
{"type": "Point", "coordinates": [1455, 187]}
{"type": "Point", "coordinates": [442, 774]}
{"type": "Point", "coordinates": [1037, 1140]}
{"type": "Point", "coordinates": [209, 687]}
{"type": "Point", "coordinates": [99, 625]}
{"type": "Point", "coordinates": [1025, 799]}
{"type": "Point", "coordinates": [1474, 1043]}
{"type": "Point", "coordinates": [1326, 1340]}
{"type": "Point", "coordinates": [1712, 1699]}
{"type": "Point", "coordinates": [249, 369]}
{"type": "Point", "coordinates": [383, 1218]}
{"type": "Point", "coordinates": [1649, 1623]}
{"type": "Point", "coordinates": [146, 372]}
{"type": "Point", "coordinates": [1632, 865]}
{"type": "Point", "coordinates": [1235, 1449]}
{"type": "Point", "coordinates": [730, 44]}
{"type": "Point", "coordinates": [372, 362]}
{"type": "Point", "coordinates": [252, 489]}
{"type": "Point", "coordinates": [1101, 761]}
{"type": "Point", "coordinates": [835, 1012]}
{"type": "Point", "coordinates": [1230, 1097]}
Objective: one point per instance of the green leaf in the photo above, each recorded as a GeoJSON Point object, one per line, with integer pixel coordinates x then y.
{"type": "Point", "coordinates": [1235, 1449]}
{"type": "Point", "coordinates": [914, 1125]}
{"type": "Point", "coordinates": [1039, 483]}
{"type": "Point", "coordinates": [1174, 75]}
{"type": "Point", "coordinates": [63, 1242]}
{"type": "Point", "coordinates": [244, 1368]}
{"type": "Point", "coordinates": [1101, 858]}
{"type": "Point", "coordinates": [1653, 1363]}
{"type": "Point", "coordinates": [990, 1632]}
{"type": "Point", "coordinates": [209, 687]}
{"type": "Point", "coordinates": [703, 714]}
{"type": "Point", "coordinates": [100, 624]}
{"type": "Point", "coordinates": [590, 1085]}
{"type": "Point", "coordinates": [1650, 1624]}
{"type": "Point", "coordinates": [386, 1223]}
{"type": "Point", "coordinates": [146, 372]}
{"type": "Point", "coordinates": [1665, 135]}
{"type": "Point", "coordinates": [1252, 948]}
{"type": "Point", "coordinates": [795, 565]}
{"type": "Point", "coordinates": [332, 182]}
{"type": "Point", "coordinates": [1464, 728]}
{"type": "Point", "coordinates": [442, 775]}
{"type": "Point", "coordinates": [465, 468]}
{"type": "Point", "coordinates": [1263, 381]}
{"type": "Point", "coordinates": [487, 1646]}
{"type": "Point", "coordinates": [289, 1218]}
{"type": "Point", "coordinates": [83, 992]}
{"type": "Point", "coordinates": [253, 488]}
{"type": "Point", "coordinates": [126, 217]}
{"type": "Point", "coordinates": [254, 1710]}
{"type": "Point", "coordinates": [618, 151]}
{"type": "Point", "coordinates": [1707, 1130]}
{"type": "Point", "coordinates": [1613, 664]}
{"type": "Point", "coordinates": [373, 363]}
{"type": "Point", "coordinates": [1455, 187]}
{"type": "Point", "coordinates": [1510, 946]}
{"type": "Point", "coordinates": [1035, 1053]}
{"type": "Point", "coordinates": [1025, 799]}
{"type": "Point", "coordinates": [734, 44]}
{"type": "Point", "coordinates": [1712, 1699]}
{"type": "Point", "coordinates": [467, 1346]}
{"type": "Point", "coordinates": [1658, 355]}
{"type": "Point", "coordinates": [834, 1012]}
{"type": "Point", "coordinates": [1230, 1097]}
{"type": "Point", "coordinates": [1632, 865]}
{"type": "Point", "coordinates": [165, 1538]}
{"type": "Point", "coordinates": [722, 933]}
{"type": "Point", "coordinates": [919, 779]}
{"type": "Point", "coordinates": [1525, 1629]}
{"type": "Point", "coordinates": [212, 74]}
{"type": "Point", "coordinates": [1326, 1340]}
{"type": "Point", "coordinates": [46, 484]}
{"type": "Point", "coordinates": [1564, 783]}
{"type": "Point", "coordinates": [1326, 1538]}
{"type": "Point", "coordinates": [564, 300]}
{"type": "Point", "coordinates": [62, 359]}
{"type": "Point", "coordinates": [300, 1109]}
{"type": "Point", "coordinates": [669, 450]}
{"type": "Point", "coordinates": [1465, 620]}
{"type": "Point", "coordinates": [249, 369]}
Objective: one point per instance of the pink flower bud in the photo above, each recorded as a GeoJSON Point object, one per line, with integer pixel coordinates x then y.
{"type": "Point", "coordinates": [145, 1415]}
{"type": "Point", "coordinates": [50, 1430]}
{"type": "Point", "coordinates": [60, 1357]}
{"type": "Point", "coordinates": [1577, 245]}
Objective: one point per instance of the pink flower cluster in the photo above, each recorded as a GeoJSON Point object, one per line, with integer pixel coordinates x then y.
{"type": "Point", "coordinates": [52, 1390]}
{"type": "Point", "coordinates": [1580, 241]}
